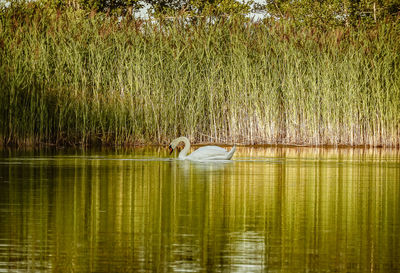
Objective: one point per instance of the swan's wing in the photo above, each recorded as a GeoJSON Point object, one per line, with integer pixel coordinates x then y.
{"type": "Point", "coordinates": [209, 153]}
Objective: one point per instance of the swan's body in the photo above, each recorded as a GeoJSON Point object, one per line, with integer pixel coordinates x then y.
{"type": "Point", "coordinates": [203, 153]}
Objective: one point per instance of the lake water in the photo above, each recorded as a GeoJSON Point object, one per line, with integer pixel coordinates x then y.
{"type": "Point", "coordinates": [141, 210]}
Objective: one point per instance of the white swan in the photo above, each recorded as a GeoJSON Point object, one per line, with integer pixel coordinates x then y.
{"type": "Point", "coordinates": [203, 153]}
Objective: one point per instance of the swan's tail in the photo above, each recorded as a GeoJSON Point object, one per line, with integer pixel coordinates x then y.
{"type": "Point", "coordinates": [231, 152]}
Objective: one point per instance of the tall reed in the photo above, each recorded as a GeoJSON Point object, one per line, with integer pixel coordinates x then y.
{"type": "Point", "coordinates": [76, 78]}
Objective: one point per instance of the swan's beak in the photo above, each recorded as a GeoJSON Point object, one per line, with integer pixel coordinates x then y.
{"type": "Point", "coordinates": [170, 149]}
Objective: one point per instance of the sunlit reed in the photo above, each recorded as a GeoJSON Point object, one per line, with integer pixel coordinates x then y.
{"type": "Point", "coordinates": [72, 78]}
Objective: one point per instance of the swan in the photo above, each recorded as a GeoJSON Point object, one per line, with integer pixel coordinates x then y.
{"type": "Point", "coordinates": [203, 153]}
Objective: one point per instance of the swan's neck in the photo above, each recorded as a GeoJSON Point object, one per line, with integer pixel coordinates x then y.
{"type": "Point", "coordinates": [186, 149]}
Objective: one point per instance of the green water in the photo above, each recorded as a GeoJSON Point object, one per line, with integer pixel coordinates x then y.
{"type": "Point", "coordinates": [140, 210]}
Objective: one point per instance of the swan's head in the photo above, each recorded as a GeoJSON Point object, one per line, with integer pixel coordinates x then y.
{"type": "Point", "coordinates": [173, 145]}
{"type": "Point", "coordinates": [170, 149]}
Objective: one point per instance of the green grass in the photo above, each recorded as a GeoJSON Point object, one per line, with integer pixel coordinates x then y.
{"type": "Point", "coordinates": [75, 78]}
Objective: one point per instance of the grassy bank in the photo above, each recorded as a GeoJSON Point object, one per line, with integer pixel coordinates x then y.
{"type": "Point", "coordinates": [74, 78]}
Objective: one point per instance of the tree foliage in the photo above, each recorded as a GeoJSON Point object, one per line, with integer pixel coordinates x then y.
{"type": "Point", "coordinates": [332, 12]}
{"type": "Point", "coordinates": [199, 7]}
{"type": "Point", "coordinates": [112, 6]}
{"type": "Point", "coordinates": [323, 13]}
{"type": "Point", "coordinates": [156, 7]}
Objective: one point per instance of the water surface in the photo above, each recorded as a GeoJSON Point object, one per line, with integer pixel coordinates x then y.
{"type": "Point", "coordinates": [139, 210]}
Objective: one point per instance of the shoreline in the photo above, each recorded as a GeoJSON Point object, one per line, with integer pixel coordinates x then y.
{"type": "Point", "coordinates": [195, 144]}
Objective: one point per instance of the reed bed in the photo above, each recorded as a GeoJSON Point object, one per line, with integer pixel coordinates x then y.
{"type": "Point", "coordinates": [78, 78]}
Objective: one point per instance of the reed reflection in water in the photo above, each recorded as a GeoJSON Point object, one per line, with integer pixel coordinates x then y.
{"type": "Point", "coordinates": [271, 209]}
